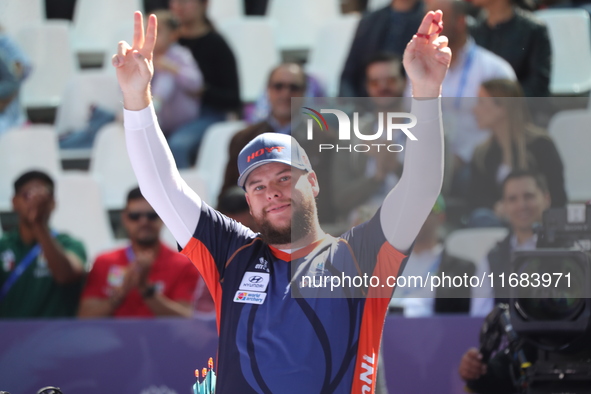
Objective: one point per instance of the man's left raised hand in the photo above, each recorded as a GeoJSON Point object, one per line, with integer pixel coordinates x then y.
{"type": "Point", "coordinates": [427, 57]}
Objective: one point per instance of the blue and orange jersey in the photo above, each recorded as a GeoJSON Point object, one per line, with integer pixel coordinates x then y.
{"type": "Point", "coordinates": [277, 336]}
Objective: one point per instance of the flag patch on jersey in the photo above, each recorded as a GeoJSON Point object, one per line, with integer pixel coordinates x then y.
{"type": "Point", "coordinates": [250, 297]}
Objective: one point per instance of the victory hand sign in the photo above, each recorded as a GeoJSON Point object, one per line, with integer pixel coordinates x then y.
{"type": "Point", "coordinates": [134, 64]}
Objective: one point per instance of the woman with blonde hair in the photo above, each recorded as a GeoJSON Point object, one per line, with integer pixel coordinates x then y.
{"type": "Point", "coordinates": [515, 144]}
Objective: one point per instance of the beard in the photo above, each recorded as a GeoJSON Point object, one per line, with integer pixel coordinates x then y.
{"type": "Point", "coordinates": [302, 223]}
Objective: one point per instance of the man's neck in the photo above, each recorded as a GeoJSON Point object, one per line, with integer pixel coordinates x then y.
{"type": "Point", "coordinates": [403, 6]}
{"type": "Point", "coordinates": [138, 247]}
{"type": "Point", "coordinates": [456, 46]}
{"type": "Point", "coordinates": [314, 235]}
{"type": "Point", "coordinates": [499, 12]}
{"type": "Point", "coordinates": [26, 233]}
{"type": "Point", "coordinates": [282, 122]}
{"type": "Point", "coordinates": [523, 236]}
{"type": "Point", "coordinates": [194, 29]}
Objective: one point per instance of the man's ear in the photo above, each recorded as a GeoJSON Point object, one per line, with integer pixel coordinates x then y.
{"type": "Point", "coordinates": [314, 183]}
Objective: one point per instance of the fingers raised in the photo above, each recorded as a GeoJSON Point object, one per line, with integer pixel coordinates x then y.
{"type": "Point", "coordinates": [138, 30]}
{"type": "Point", "coordinates": [425, 27]}
{"type": "Point", "coordinates": [150, 39]}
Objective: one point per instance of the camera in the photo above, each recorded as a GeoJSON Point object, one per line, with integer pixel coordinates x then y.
{"type": "Point", "coordinates": [548, 313]}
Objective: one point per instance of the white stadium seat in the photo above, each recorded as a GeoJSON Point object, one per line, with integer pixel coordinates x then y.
{"type": "Point", "coordinates": [571, 135]}
{"type": "Point", "coordinates": [213, 156]}
{"type": "Point", "coordinates": [80, 213]}
{"type": "Point", "coordinates": [571, 50]}
{"type": "Point", "coordinates": [110, 166]}
{"type": "Point", "coordinates": [251, 40]}
{"type": "Point", "coordinates": [54, 63]}
{"type": "Point", "coordinates": [16, 14]}
{"type": "Point", "coordinates": [329, 53]}
{"type": "Point", "coordinates": [28, 148]}
{"type": "Point", "coordinates": [297, 22]}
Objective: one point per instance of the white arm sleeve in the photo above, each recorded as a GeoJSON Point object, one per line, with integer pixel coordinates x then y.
{"type": "Point", "coordinates": [159, 180]}
{"type": "Point", "coordinates": [408, 204]}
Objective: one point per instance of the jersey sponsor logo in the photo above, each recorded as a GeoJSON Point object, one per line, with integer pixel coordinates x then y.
{"type": "Point", "coordinates": [366, 375]}
{"type": "Point", "coordinates": [262, 265]}
{"type": "Point", "coordinates": [250, 297]}
{"type": "Point", "coordinates": [8, 260]}
{"type": "Point", "coordinates": [254, 281]}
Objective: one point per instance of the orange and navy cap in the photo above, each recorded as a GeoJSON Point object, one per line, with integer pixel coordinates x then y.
{"type": "Point", "coordinates": [269, 148]}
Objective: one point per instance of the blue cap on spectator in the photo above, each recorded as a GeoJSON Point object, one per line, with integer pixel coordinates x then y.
{"type": "Point", "coordinates": [269, 148]}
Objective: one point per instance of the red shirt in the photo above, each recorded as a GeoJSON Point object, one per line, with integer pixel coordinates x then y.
{"type": "Point", "coordinates": [173, 274]}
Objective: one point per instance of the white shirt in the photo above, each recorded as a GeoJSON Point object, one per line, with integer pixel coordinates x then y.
{"type": "Point", "coordinates": [474, 65]}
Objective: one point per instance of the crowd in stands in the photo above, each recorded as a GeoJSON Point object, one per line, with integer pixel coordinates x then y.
{"type": "Point", "coordinates": [501, 54]}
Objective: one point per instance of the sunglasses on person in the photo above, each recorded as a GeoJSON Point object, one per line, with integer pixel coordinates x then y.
{"type": "Point", "coordinates": [292, 87]}
{"type": "Point", "coordinates": [136, 216]}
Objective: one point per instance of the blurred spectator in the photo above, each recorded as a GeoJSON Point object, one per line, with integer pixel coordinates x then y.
{"type": "Point", "coordinates": [41, 271]}
{"type": "Point", "coordinates": [429, 256]}
{"type": "Point", "coordinates": [217, 63]}
{"type": "Point", "coordinates": [471, 65]}
{"type": "Point", "coordinates": [518, 37]}
{"type": "Point", "coordinates": [14, 68]}
{"type": "Point", "coordinates": [386, 30]}
{"type": "Point", "coordinates": [262, 108]}
{"type": "Point", "coordinates": [285, 82]}
{"type": "Point", "coordinates": [514, 144]}
{"type": "Point", "coordinates": [362, 179]}
{"type": "Point", "coordinates": [525, 198]}
{"type": "Point", "coordinates": [233, 204]}
{"type": "Point", "coordinates": [177, 81]}
{"type": "Point", "coordinates": [144, 279]}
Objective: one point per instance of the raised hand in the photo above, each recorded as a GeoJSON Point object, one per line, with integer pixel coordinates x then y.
{"type": "Point", "coordinates": [134, 64]}
{"type": "Point", "coordinates": [427, 57]}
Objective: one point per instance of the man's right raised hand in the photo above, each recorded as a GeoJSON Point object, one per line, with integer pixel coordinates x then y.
{"type": "Point", "coordinates": [134, 64]}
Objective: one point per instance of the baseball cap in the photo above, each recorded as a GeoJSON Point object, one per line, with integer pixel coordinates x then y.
{"type": "Point", "coordinates": [270, 148]}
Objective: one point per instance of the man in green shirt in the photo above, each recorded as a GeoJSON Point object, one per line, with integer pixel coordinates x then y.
{"type": "Point", "coordinates": [41, 272]}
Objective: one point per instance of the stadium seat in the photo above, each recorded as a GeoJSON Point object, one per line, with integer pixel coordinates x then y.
{"type": "Point", "coordinates": [221, 10]}
{"type": "Point", "coordinates": [251, 40]}
{"type": "Point", "coordinates": [297, 22]}
{"type": "Point", "coordinates": [54, 63]}
{"type": "Point", "coordinates": [569, 31]}
{"type": "Point", "coordinates": [14, 15]}
{"type": "Point", "coordinates": [110, 166]}
{"type": "Point", "coordinates": [82, 91]}
{"type": "Point", "coordinates": [473, 244]}
{"type": "Point", "coordinates": [213, 156]}
{"type": "Point", "coordinates": [329, 53]}
{"type": "Point", "coordinates": [23, 149]}
{"type": "Point", "coordinates": [80, 212]}
{"type": "Point", "coordinates": [94, 22]}
{"type": "Point", "coordinates": [571, 134]}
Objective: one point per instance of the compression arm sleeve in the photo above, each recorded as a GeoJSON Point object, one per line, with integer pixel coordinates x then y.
{"type": "Point", "coordinates": [408, 204]}
{"type": "Point", "coordinates": [161, 184]}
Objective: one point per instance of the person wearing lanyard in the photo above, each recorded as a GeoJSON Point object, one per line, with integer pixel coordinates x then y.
{"type": "Point", "coordinates": [41, 271]}
{"type": "Point", "coordinates": [144, 279]}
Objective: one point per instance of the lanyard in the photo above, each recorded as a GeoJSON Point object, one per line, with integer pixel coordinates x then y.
{"type": "Point", "coordinates": [130, 254]}
{"type": "Point", "coordinates": [20, 268]}
{"type": "Point", "coordinates": [464, 75]}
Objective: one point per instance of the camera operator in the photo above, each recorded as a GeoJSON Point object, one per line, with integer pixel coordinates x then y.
{"type": "Point", "coordinates": [525, 197]}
